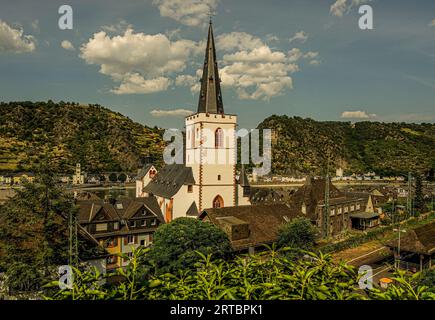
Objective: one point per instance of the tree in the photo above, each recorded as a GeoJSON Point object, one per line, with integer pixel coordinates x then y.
{"type": "Point", "coordinates": [113, 177]}
{"type": "Point", "coordinates": [298, 234]}
{"type": "Point", "coordinates": [175, 244]}
{"type": "Point", "coordinates": [418, 200]}
{"type": "Point", "coordinates": [122, 177]}
{"type": "Point", "coordinates": [430, 175]}
{"type": "Point", "coordinates": [33, 232]}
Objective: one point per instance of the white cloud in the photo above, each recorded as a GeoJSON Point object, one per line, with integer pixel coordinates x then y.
{"type": "Point", "coordinates": [300, 36]}
{"type": "Point", "coordinates": [252, 68]}
{"type": "Point", "coordinates": [432, 23]}
{"type": "Point", "coordinates": [185, 80]}
{"type": "Point", "coordinates": [187, 12]}
{"type": "Point", "coordinates": [261, 54]}
{"type": "Point", "coordinates": [341, 7]}
{"type": "Point", "coordinates": [311, 55]}
{"type": "Point", "coordinates": [338, 8]}
{"type": "Point", "coordinates": [294, 54]}
{"type": "Point", "coordinates": [67, 45]}
{"type": "Point", "coordinates": [13, 40]}
{"type": "Point", "coordinates": [35, 25]}
{"type": "Point", "coordinates": [141, 63]}
{"type": "Point", "coordinates": [357, 115]}
{"type": "Point", "coordinates": [135, 83]}
{"type": "Point", "coordinates": [119, 27]}
{"type": "Point", "coordinates": [237, 41]}
{"type": "Point", "coordinates": [171, 113]}
{"type": "Point", "coordinates": [315, 62]}
{"type": "Point", "coordinates": [272, 38]}
{"type": "Point", "coordinates": [256, 71]}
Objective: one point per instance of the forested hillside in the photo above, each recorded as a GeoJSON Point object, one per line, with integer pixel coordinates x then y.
{"type": "Point", "coordinates": [100, 139]}
{"type": "Point", "coordinates": [304, 146]}
{"type": "Point", "coordinates": [103, 140]}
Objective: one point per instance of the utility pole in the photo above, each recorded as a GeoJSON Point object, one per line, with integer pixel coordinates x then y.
{"type": "Point", "coordinates": [72, 239]}
{"type": "Point", "coordinates": [326, 203]}
{"type": "Point", "coordinates": [397, 260]}
{"type": "Point", "coordinates": [409, 198]}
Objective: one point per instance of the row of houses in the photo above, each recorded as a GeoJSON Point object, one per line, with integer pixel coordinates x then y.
{"type": "Point", "coordinates": [16, 178]}
{"type": "Point", "coordinates": [119, 226]}
{"type": "Point", "coordinates": [113, 224]}
{"type": "Point", "coordinates": [78, 178]}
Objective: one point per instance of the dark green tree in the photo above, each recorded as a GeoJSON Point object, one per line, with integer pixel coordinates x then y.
{"type": "Point", "coordinates": [418, 199]}
{"type": "Point", "coordinates": [33, 229]}
{"type": "Point", "coordinates": [122, 177]}
{"type": "Point", "coordinates": [113, 177]}
{"type": "Point", "coordinates": [175, 244]}
{"type": "Point", "coordinates": [298, 234]}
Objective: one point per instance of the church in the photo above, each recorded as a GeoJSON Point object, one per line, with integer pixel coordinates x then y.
{"type": "Point", "coordinates": [208, 176]}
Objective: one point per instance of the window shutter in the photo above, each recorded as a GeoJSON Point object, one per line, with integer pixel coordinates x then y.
{"type": "Point", "coordinates": [125, 240]}
{"type": "Point", "coordinates": [135, 239]}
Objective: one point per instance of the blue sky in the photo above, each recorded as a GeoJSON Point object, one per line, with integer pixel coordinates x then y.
{"type": "Point", "coordinates": [141, 57]}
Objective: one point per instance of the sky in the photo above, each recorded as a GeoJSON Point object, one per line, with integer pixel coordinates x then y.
{"type": "Point", "coordinates": [306, 58]}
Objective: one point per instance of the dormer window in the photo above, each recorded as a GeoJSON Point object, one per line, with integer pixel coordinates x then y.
{"type": "Point", "coordinates": [190, 188]}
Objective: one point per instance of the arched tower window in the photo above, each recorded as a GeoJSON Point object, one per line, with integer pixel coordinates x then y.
{"type": "Point", "coordinates": [219, 138]}
{"type": "Point", "coordinates": [218, 202]}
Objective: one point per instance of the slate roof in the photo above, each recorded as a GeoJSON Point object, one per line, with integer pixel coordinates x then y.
{"type": "Point", "coordinates": [264, 221]}
{"type": "Point", "coordinates": [210, 96]}
{"type": "Point", "coordinates": [419, 240]}
{"type": "Point", "coordinates": [312, 193]}
{"type": "Point", "coordinates": [364, 215]}
{"type": "Point", "coordinates": [143, 172]}
{"type": "Point", "coordinates": [169, 180]}
{"type": "Point", "coordinates": [119, 210]}
{"type": "Point", "coordinates": [193, 210]}
{"type": "Point", "coordinates": [88, 209]}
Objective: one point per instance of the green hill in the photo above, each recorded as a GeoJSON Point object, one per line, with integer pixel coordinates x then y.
{"type": "Point", "coordinates": [103, 140]}
{"type": "Point", "coordinates": [100, 139]}
{"type": "Point", "coordinates": [302, 146]}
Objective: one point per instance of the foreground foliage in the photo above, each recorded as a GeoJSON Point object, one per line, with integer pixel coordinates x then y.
{"type": "Point", "coordinates": [268, 275]}
{"type": "Point", "coordinates": [175, 244]}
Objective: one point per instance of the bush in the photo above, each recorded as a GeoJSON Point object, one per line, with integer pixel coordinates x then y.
{"type": "Point", "coordinates": [269, 275]}
{"type": "Point", "coordinates": [298, 234]}
{"type": "Point", "coordinates": [175, 244]}
{"type": "Point", "coordinates": [113, 177]}
{"type": "Point", "coordinates": [122, 177]}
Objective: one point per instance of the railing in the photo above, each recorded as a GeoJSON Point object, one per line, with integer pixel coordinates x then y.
{"type": "Point", "coordinates": [413, 267]}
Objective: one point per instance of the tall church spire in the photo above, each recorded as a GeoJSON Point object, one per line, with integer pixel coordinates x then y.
{"type": "Point", "coordinates": [210, 96]}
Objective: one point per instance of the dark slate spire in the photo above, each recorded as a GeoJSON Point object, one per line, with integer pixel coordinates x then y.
{"type": "Point", "coordinates": [210, 96]}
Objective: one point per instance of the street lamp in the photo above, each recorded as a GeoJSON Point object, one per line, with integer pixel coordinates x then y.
{"type": "Point", "coordinates": [398, 244]}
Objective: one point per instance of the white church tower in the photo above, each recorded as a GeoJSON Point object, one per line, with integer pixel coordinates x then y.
{"type": "Point", "coordinates": [210, 140]}
{"type": "Point", "coordinates": [208, 178]}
